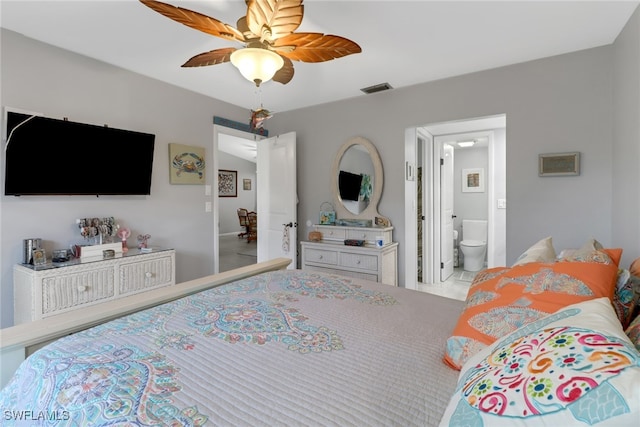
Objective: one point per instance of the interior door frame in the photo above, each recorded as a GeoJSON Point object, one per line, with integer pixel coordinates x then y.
{"type": "Point", "coordinates": [217, 130]}
{"type": "Point", "coordinates": [497, 162]}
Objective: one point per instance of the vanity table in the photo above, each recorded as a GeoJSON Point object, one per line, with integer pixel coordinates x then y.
{"type": "Point", "coordinates": [357, 157]}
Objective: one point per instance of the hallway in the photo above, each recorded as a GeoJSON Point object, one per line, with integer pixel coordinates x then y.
{"type": "Point", "coordinates": [236, 252]}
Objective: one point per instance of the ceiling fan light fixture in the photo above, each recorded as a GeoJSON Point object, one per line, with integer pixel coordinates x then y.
{"type": "Point", "coordinates": [257, 65]}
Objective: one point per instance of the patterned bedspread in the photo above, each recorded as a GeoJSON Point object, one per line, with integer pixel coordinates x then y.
{"type": "Point", "coordinates": [284, 348]}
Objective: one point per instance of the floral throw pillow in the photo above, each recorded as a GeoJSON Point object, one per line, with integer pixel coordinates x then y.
{"type": "Point", "coordinates": [573, 367]}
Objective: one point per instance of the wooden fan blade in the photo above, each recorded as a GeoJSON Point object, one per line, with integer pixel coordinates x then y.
{"type": "Point", "coordinates": [272, 19]}
{"type": "Point", "coordinates": [314, 47]}
{"type": "Point", "coordinates": [195, 20]}
{"type": "Point", "coordinates": [213, 57]}
{"type": "Point", "coordinates": [284, 74]}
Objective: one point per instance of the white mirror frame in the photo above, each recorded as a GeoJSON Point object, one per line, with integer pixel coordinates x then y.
{"type": "Point", "coordinates": [371, 211]}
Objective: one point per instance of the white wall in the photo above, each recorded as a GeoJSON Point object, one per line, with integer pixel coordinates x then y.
{"type": "Point", "coordinates": [470, 205]}
{"type": "Point", "coordinates": [59, 83]}
{"type": "Point", "coordinates": [626, 140]}
{"type": "Point", "coordinates": [563, 103]}
{"type": "Point", "coordinates": [228, 206]}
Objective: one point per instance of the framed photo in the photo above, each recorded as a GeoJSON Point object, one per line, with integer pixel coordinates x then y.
{"type": "Point", "coordinates": [559, 164]}
{"type": "Point", "coordinates": [246, 184]}
{"type": "Point", "coordinates": [186, 164]}
{"type": "Point", "coordinates": [39, 257]}
{"type": "Point", "coordinates": [473, 180]}
{"type": "Point", "coordinates": [227, 183]}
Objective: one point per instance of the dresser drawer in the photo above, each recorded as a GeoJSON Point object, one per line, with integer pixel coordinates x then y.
{"type": "Point", "coordinates": [329, 233]}
{"type": "Point", "coordinates": [361, 261]}
{"type": "Point", "coordinates": [140, 276]}
{"type": "Point", "coordinates": [368, 235]}
{"type": "Point", "coordinates": [321, 256]}
{"type": "Point", "coordinates": [73, 290]}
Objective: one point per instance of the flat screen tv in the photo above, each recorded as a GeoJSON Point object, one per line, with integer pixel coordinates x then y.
{"type": "Point", "coordinates": [45, 156]}
{"type": "Point", "coordinates": [349, 185]}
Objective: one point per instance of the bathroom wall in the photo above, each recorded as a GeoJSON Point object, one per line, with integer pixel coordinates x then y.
{"type": "Point", "coordinates": [469, 205]}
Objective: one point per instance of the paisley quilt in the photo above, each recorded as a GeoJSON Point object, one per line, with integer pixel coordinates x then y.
{"type": "Point", "coordinates": [282, 348]}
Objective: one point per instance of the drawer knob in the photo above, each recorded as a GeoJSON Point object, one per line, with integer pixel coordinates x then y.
{"type": "Point", "coordinates": [321, 256]}
{"type": "Point", "coordinates": [358, 262]}
{"type": "Point", "coordinates": [82, 288]}
{"type": "Point", "coordinates": [148, 274]}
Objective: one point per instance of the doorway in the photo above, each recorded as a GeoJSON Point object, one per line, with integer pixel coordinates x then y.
{"type": "Point", "coordinates": [430, 214]}
{"type": "Point", "coordinates": [276, 195]}
{"type": "Point", "coordinates": [240, 148]}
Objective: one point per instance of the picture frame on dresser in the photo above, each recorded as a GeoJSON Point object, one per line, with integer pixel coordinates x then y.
{"type": "Point", "coordinates": [39, 257]}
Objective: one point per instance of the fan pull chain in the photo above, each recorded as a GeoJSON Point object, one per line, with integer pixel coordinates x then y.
{"type": "Point", "coordinates": [258, 98]}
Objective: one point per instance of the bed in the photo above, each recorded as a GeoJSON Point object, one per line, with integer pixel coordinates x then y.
{"type": "Point", "coordinates": [284, 347]}
{"type": "Point", "coordinates": [551, 340]}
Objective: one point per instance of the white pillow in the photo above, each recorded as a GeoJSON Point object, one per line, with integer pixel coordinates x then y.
{"type": "Point", "coordinates": [542, 251]}
{"type": "Point", "coordinates": [573, 367]}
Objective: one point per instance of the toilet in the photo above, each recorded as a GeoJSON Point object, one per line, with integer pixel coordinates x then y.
{"type": "Point", "coordinates": [474, 243]}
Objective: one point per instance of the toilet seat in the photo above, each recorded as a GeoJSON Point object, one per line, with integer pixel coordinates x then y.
{"type": "Point", "coordinates": [472, 243]}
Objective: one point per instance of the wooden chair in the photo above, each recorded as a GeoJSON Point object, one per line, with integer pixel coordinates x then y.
{"type": "Point", "coordinates": [244, 222]}
{"type": "Point", "coordinates": [252, 218]}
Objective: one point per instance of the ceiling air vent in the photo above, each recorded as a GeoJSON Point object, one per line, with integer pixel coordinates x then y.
{"type": "Point", "coordinates": [376, 88]}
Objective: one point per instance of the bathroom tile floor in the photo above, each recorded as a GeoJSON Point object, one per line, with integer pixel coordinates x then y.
{"type": "Point", "coordinates": [455, 287]}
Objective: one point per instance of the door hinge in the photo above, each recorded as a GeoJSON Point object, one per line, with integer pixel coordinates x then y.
{"type": "Point", "coordinates": [442, 265]}
{"type": "Point", "coordinates": [441, 162]}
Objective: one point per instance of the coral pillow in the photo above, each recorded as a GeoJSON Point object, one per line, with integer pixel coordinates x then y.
{"type": "Point", "coordinates": [501, 300]}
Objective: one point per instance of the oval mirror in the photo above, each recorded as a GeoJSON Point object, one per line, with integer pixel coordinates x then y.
{"type": "Point", "coordinates": [357, 180]}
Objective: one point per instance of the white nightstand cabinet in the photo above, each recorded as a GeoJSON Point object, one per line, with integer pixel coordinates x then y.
{"type": "Point", "coordinates": [365, 262]}
{"type": "Point", "coordinates": [44, 291]}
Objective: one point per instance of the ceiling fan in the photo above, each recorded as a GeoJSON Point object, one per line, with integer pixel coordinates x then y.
{"type": "Point", "coordinates": [268, 34]}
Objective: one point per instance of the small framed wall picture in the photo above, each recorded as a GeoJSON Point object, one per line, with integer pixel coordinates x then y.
{"type": "Point", "coordinates": [246, 184]}
{"type": "Point", "coordinates": [473, 180]}
{"type": "Point", "coordinates": [39, 257]}
{"type": "Point", "coordinates": [559, 164]}
{"type": "Point", "coordinates": [227, 183]}
{"type": "Point", "coordinates": [186, 164]}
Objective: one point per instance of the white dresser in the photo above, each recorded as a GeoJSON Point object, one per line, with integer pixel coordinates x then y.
{"type": "Point", "coordinates": [47, 290]}
{"type": "Point", "coordinates": [365, 262]}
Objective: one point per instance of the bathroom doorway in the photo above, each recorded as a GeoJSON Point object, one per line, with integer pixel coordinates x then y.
{"type": "Point", "coordinates": [430, 218]}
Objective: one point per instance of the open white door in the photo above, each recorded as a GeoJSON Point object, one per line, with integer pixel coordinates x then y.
{"type": "Point", "coordinates": [277, 198]}
{"type": "Point", "coordinates": [446, 211]}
